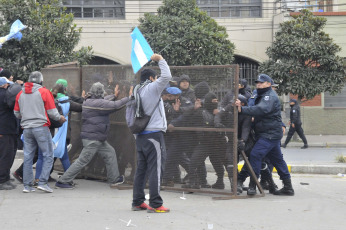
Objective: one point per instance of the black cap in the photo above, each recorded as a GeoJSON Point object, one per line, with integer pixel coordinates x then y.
{"type": "Point", "coordinates": [5, 73]}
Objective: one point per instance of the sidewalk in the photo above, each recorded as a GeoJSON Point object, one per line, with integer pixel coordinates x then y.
{"type": "Point", "coordinates": [324, 141]}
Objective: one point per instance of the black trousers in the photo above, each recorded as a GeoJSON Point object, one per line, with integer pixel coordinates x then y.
{"type": "Point", "coordinates": [151, 155]}
{"type": "Point", "coordinates": [299, 130]}
{"type": "Point", "coordinates": [175, 155]}
{"type": "Point", "coordinates": [8, 149]}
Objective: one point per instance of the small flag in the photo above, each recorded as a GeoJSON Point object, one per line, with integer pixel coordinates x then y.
{"type": "Point", "coordinates": [141, 50]}
{"type": "Point", "coordinates": [15, 33]}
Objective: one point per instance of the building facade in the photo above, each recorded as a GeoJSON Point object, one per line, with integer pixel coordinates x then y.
{"type": "Point", "coordinates": [251, 25]}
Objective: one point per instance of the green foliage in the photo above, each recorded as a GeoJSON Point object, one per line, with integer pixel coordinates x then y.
{"type": "Point", "coordinates": [49, 39]}
{"type": "Point", "coordinates": [187, 35]}
{"type": "Point", "coordinates": [303, 59]}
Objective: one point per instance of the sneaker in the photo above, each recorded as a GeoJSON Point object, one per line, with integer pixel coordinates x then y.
{"type": "Point", "coordinates": [141, 207]}
{"type": "Point", "coordinates": [158, 210]}
{"type": "Point", "coordinates": [119, 180]}
{"type": "Point", "coordinates": [28, 189]}
{"type": "Point", "coordinates": [45, 188]}
{"type": "Point", "coordinates": [305, 147]}
{"type": "Point", "coordinates": [18, 177]}
{"type": "Point", "coordinates": [62, 185]}
{"type": "Point", "coordinates": [35, 184]}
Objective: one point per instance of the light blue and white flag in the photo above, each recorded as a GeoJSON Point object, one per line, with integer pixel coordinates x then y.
{"type": "Point", "coordinates": [141, 50]}
{"type": "Point", "coordinates": [15, 33]}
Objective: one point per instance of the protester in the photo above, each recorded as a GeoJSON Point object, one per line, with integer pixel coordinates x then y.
{"type": "Point", "coordinates": [61, 138]}
{"type": "Point", "coordinates": [8, 137]}
{"type": "Point", "coordinates": [95, 128]}
{"type": "Point", "coordinates": [268, 130]}
{"type": "Point", "coordinates": [7, 74]}
{"type": "Point", "coordinates": [151, 150]}
{"type": "Point", "coordinates": [33, 104]}
{"type": "Point", "coordinates": [295, 124]}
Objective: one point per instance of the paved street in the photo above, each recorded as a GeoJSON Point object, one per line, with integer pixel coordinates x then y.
{"type": "Point", "coordinates": [93, 205]}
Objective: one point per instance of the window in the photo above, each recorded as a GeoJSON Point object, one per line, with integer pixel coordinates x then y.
{"type": "Point", "coordinates": [337, 101]}
{"type": "Point", "coordinates": [96, 8]}
{"type": "Point", "coordinates": [232, 8]}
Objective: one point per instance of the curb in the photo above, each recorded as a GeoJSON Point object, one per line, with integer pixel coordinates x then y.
{"type": "Point", "coordinates": [317, 145]}
{"type": "Point", "coordinates": [301, 169]}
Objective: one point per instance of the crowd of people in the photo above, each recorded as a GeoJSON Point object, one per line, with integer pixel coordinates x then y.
{"type": "Point", "coordinates": [42, 116]}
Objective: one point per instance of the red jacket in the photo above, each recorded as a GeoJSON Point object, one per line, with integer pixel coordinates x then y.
{"type": "Point", "coordinates": [33, 105]}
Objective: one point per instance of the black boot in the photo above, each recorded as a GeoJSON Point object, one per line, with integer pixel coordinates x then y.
{"type": "Point", "coordinates": [268, 178]}
{"type": "Point", "coordinates": [219, 184]}
{"type": "Point", "coordinates": [287, 190]}
{"type": "Point", "coordinates": [305, 147]}
{"type": "Point", "coordinates": [240, 186]}
{"type": "Point", "coordinates": [252, 188]}
{"type": "Point", "coordinates": [264, 184]}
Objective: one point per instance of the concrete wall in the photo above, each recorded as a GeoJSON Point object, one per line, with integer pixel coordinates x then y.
{"type": "Point", "coordinates": [319, 120]}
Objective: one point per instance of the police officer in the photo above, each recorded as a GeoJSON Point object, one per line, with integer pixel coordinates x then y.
{"type": "Point", "coordinates": [295, 124]}
{"type": "Point", "coordinates": [268, 131]}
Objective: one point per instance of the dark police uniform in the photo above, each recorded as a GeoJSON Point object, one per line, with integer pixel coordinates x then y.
{"type": "Point", "coordinates": [295, 119]}
{"type": "Point", "coordinates": [268, 130]}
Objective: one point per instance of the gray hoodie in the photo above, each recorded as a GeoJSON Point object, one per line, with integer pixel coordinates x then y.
{"type": "Point", "coordinates": [150, 96]}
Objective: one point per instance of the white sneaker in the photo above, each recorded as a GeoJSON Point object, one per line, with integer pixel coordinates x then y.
{"type": "Point", "coordinates": [45, 188]}
{"type": "Point", "coordinates": [28, 189]}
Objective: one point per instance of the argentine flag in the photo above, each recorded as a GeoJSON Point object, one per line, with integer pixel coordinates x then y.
{"type": "Point", "coordinates": [141, 50]}
{"type": "Point", "coordinates": [15, 33]}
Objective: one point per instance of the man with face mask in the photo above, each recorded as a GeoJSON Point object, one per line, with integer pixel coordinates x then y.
{"type": "Point", "coordinates": [244, 89]}
{"type": "Point", "coordinates": [295, 124]}
{"type": "Point", "coordinates": [268, 131]}
{"type": "Point", "coordinates": [170, 97]}
{"type": "Point", "coordinates": [206, 142]}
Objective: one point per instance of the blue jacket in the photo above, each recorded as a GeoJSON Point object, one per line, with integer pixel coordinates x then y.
{"type": "Point", "coordinates": [267, 113]}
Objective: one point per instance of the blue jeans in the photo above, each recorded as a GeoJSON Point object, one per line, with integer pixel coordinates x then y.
{"type": "Point", "coordinates": [65, 161]}
{"type": "Point", "coordinates": [270, 148]}
{"type": "Point", "coordinates": [35, 138]}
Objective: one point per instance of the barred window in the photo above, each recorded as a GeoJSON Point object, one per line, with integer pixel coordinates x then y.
{"type": "Point", "coordinates": [337, 101]}
{"type": "Point", "coordinates": [96, 9]}
{"type": "Point", "coordinates": [232, 8]}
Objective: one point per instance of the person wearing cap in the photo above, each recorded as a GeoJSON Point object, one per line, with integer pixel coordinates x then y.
{"type": "Point", "coordinates": [244, 89]}
{"type": "Point", "coordinates": [268, 131]}
{"type": "Point", "coordinates": [150, 143]}
{"type": "Point", "coordinates": [170, 97]}
{"type": "Point", "coordinates": [188, 96]}
{"type": "Point", "coordinates": [8, 137]}
{"type": "Point", "coordinates": [295, 124]}
{"type": "Point", "coordinates": [6, 73]}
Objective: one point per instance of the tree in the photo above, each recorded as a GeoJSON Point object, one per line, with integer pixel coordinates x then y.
{"type": "Point", "coordinates": [186, 35]}
{"type": "Point", "coordinates": [50, 37]}
{"type": "Point", "coordinates": [303, 59]}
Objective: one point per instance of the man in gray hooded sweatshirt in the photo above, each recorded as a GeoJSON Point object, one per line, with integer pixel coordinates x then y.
{"type": "Point", "coordinates": [151, 150]}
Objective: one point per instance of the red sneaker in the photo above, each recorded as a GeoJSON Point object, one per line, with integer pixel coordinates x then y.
{"type": "Point", "coordinates": [141, 207]}
{"type": "Point", "coordinates": [159, 209]}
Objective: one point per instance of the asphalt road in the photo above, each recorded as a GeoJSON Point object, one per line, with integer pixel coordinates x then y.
{"type": "Point", "coordinates": [93, 205]}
